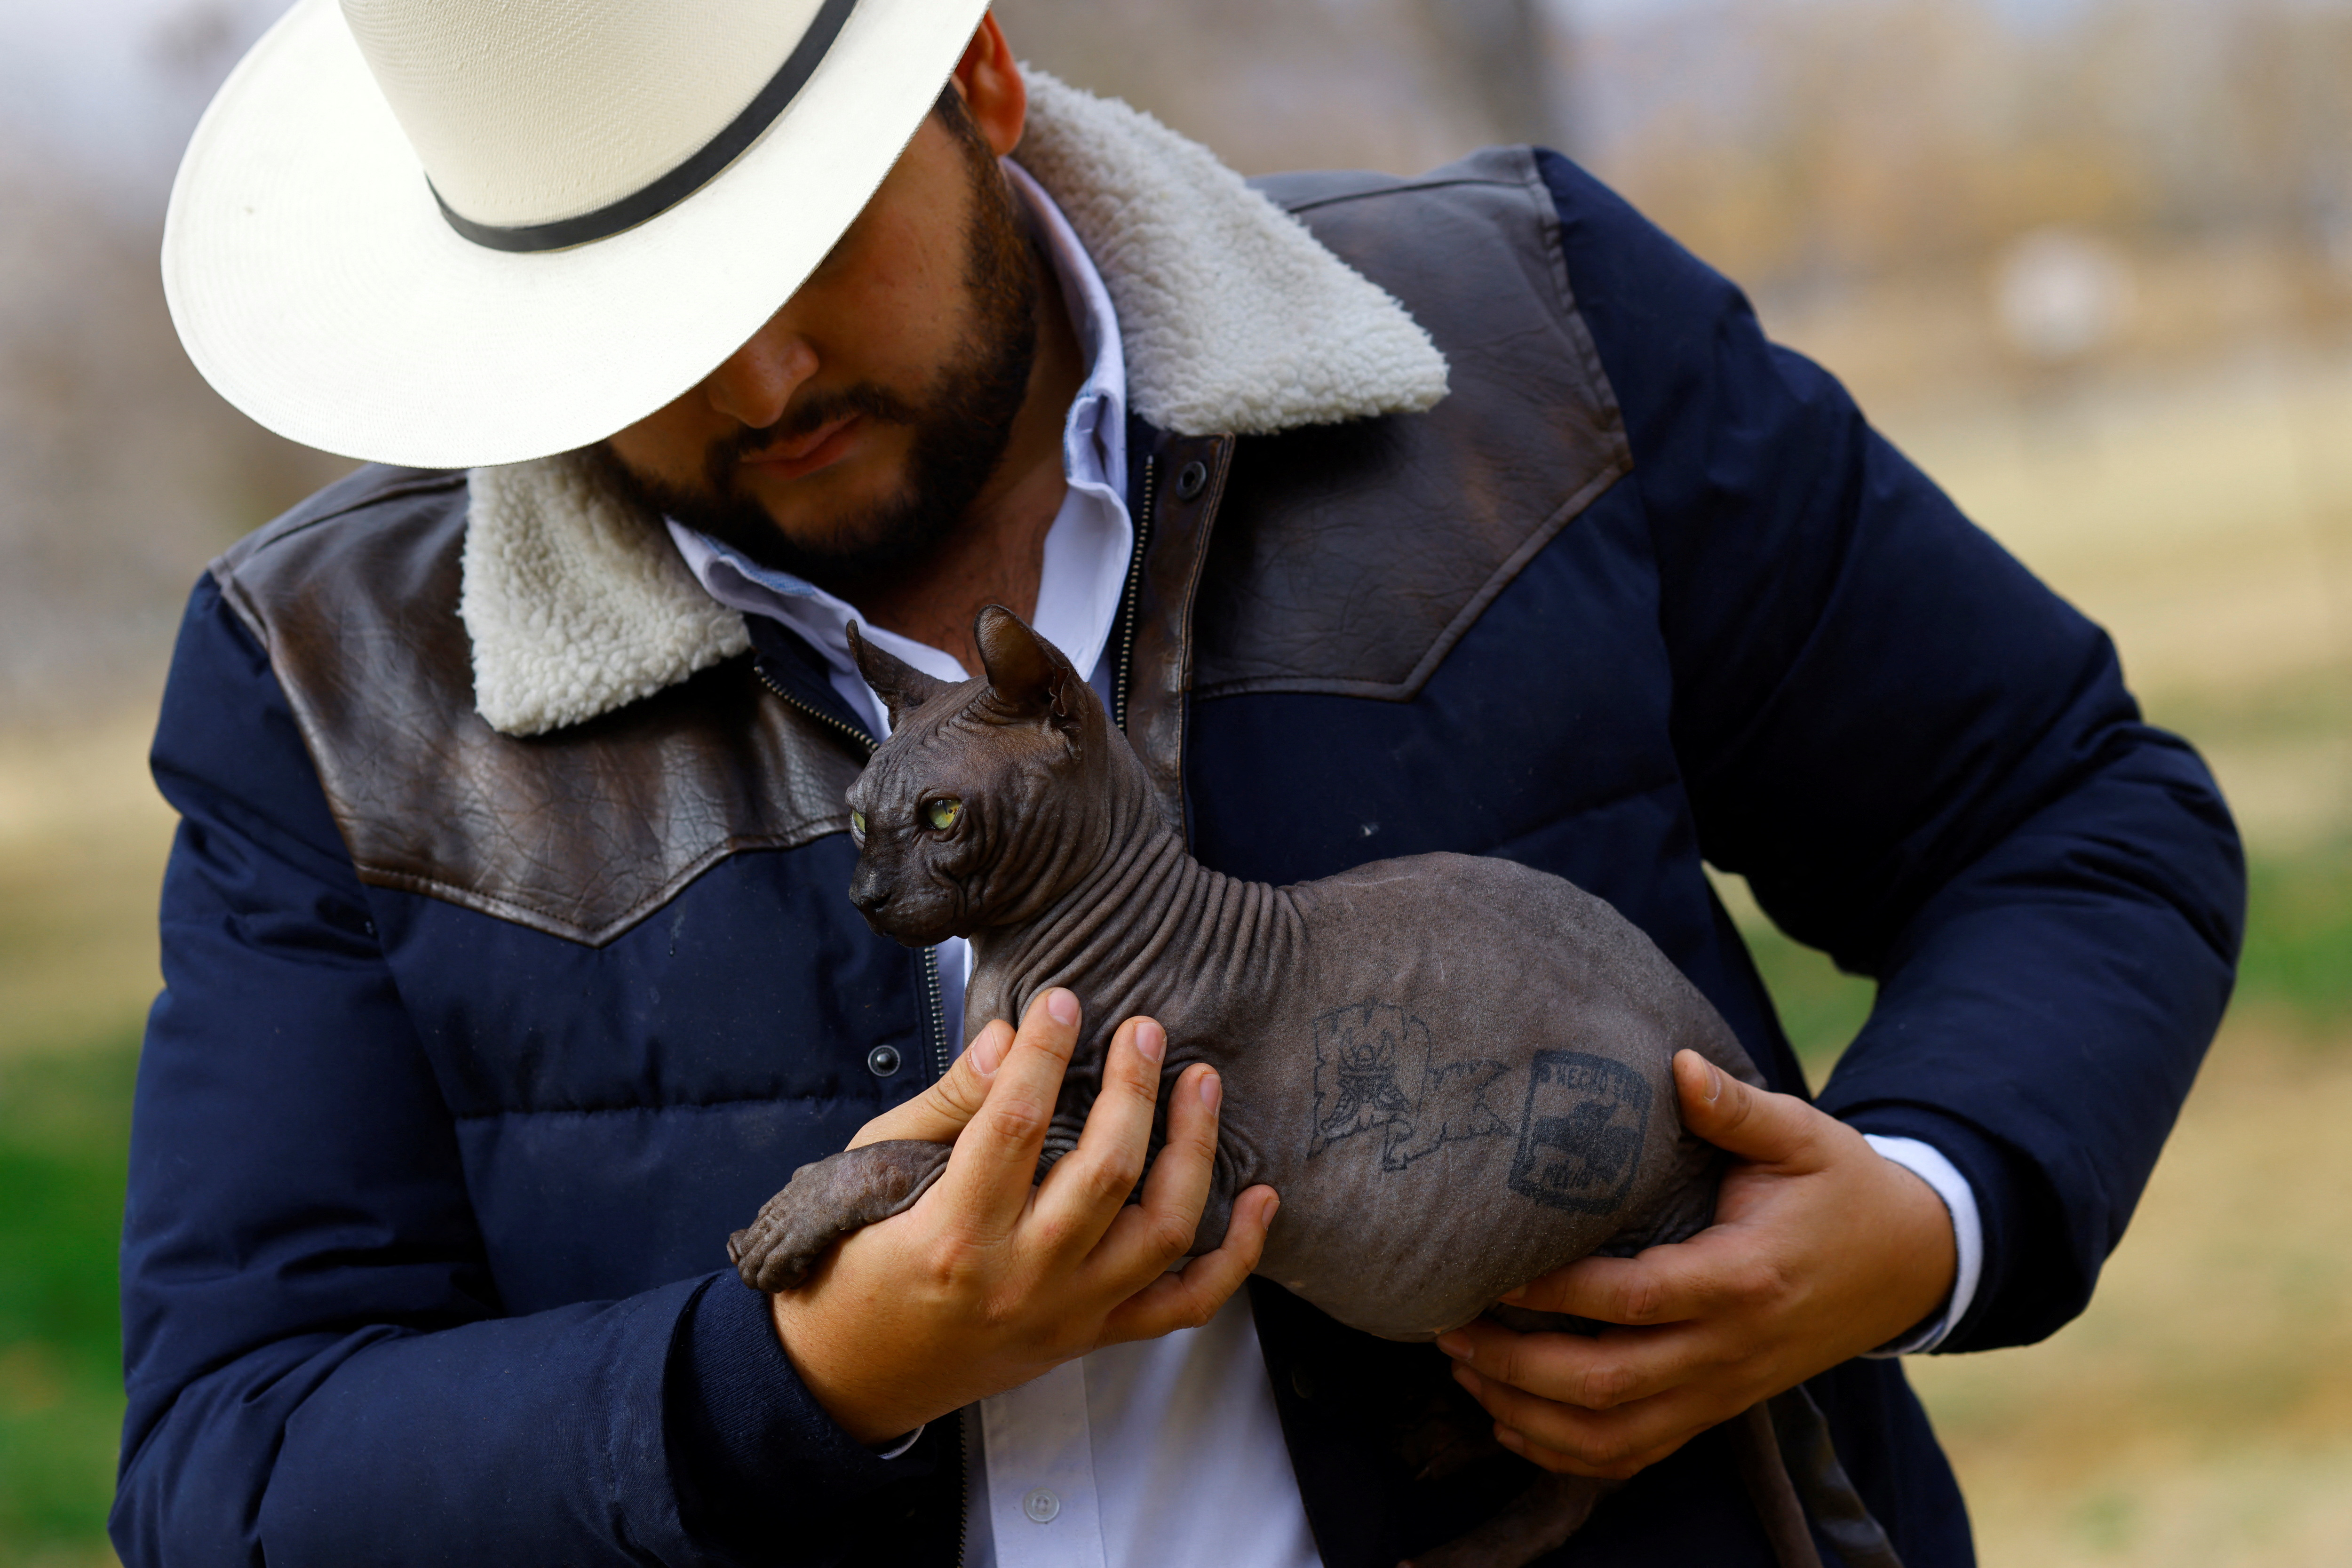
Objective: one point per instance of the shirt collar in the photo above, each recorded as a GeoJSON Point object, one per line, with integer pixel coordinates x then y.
{"type": "Point", "coordinates": [1094, 440]}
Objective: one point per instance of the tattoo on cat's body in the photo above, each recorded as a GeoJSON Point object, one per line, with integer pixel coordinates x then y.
{"type": "Point", "coordinates": [1454, 1070]}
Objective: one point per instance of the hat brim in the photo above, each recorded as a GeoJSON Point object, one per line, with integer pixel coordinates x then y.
{"type": "Point", "coordinates": [317, 286]}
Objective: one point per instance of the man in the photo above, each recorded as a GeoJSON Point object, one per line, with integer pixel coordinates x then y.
{"type": "Point", "coordinates": [508, 965]}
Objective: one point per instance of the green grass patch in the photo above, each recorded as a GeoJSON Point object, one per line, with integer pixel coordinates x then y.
{"type": "Point", "coordinates": [64, 1138]}
{"type": "Point", "coordinates": [2312, 703]}
{"type": "Point", "coordinates": [1820, 1007]}
{"type": "Point", "coordinates": [2298, 954]}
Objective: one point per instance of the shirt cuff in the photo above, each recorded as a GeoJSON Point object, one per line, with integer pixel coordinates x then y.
{"type": "Point", "coordinates": [897, 1446]}
{"type": "Point", "coordinates": [1927, 1163]}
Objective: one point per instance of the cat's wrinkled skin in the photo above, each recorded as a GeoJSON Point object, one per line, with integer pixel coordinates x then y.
{"type": "Point", "coordinates": [1455, 1070]}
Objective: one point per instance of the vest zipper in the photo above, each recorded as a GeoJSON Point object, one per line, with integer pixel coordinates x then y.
{"type": "Point", "coordinates": [865, 742]}
{"type": "Point", "coordinates": [935, 1012]}
{"type": "Point", "coordinates": [934, 1005]}
{"type": "Point", "coordinates": [964, 1419]}
{"type": "Point", "coordinates": [1131, 597]}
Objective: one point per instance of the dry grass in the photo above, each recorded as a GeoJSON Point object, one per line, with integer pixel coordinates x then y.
{"type": "Point", "coordinates": [2208, 524]}
{"type": "Point", "coordinates": [82, 839]}
{"type": "Point", "coordinates": [2200, 1412]}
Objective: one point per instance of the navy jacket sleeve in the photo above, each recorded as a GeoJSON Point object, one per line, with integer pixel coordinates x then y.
{"type": "Point", "coordinates": [1925, 763]}
{"type": "Point", "coordinates": [318, 1367]}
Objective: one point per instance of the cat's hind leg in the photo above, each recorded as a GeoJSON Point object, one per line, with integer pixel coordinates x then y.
{"type": "Point", "coordinates": [825, 1201]}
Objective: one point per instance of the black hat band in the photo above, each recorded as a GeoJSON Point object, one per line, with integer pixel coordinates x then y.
{"type": "Point", "coordinates": [687, 177]}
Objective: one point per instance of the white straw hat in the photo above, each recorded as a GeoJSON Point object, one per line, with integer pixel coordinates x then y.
{"type": "Point", "coordinates": [455, 233]}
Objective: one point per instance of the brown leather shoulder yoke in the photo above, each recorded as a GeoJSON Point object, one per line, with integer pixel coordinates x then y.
{"type": "Point", "coordinates": [1349, 559]}
{"type": "Point", "coordinates": [581, 833]}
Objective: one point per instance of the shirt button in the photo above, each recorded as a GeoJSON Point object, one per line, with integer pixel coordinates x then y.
{"type": "Point", "coordinates": [1041, 1505]}
{"type": "Point", "coordinates": [882, 1060]}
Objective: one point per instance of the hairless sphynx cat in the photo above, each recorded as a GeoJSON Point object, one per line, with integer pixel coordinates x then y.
{"type": "Point", "coordinates": [1456, 1070]}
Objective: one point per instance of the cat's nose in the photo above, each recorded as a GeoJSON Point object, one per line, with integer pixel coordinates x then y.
{"type": "Point", "coordinates": [867, 891]}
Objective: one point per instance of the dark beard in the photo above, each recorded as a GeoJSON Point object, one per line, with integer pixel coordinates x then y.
{"type": "Point", "coordinates": [962, 425]}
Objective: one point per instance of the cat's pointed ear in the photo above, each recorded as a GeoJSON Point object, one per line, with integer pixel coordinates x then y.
{"type": "Point", "coordinates": [902, 687]}
{"type": "Point", "coordinates": [1027, 676]}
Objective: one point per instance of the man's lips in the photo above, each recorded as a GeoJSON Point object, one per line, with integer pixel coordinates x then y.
{"type": "Point", "coordinates": [804, 454]}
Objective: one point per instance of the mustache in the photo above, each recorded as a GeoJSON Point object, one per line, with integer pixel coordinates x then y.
{"type": "Point", "coordinates": [876, 402]}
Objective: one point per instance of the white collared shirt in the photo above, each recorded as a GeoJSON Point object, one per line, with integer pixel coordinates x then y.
{"type": "Point", "coordinates": [1168, 1452]}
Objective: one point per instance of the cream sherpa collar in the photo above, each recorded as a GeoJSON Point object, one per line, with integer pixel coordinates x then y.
{"type": "Point", "coordinates": [1235, 319]}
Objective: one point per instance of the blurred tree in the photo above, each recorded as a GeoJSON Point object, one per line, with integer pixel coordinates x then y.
{"type": "Point", "coordinates": [1388, 84]}
{"type": "Point", "coordinates": [120, 471]}
{"type": "Point", "coordinates": [1508, 59]}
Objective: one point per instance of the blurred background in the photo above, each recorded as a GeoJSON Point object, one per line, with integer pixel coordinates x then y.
{"type": "Point", "coordinates": [2090, 261]}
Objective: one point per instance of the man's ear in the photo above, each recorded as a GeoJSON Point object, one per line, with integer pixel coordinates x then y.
{"type": "Point", "coordinates": [902, 687]}
{"type": "Point", "coordinates": [994, 95]}
{"type": "Point", "coordinates": [1027, 676]}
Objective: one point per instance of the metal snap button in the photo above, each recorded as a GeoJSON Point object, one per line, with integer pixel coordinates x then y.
{"type": "Point", "coordinates": [882, 1060]}
{"type": "Point", "coordinates": [1189, 480]}
{"type": "Point", "coordinates": [1041, 1506]}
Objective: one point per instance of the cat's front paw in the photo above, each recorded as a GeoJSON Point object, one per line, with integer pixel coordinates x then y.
{"type": "Point", "coordinates": [781, 1248]}
{"type": "Point", "coordinates": [826, 1201]}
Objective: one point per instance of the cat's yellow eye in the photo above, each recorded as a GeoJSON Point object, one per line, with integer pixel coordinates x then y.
{"type": "Point", "coordinates": [858, 826]}
{"type": "Point", "coordinates": [942, 813]}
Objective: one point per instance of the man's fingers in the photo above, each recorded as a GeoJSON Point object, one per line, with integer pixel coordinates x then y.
{"type": "Point", "coordinates": [1670, 1284]}
{"type": "Point", "coordinates": [1591, 1373]}
{"type": "Point", "coordinates": [1753, 1123]}
{"type": "Point", "coordinates": [1179, 1177]}
{"type": "Point", "coordinates": [940, 1111]}
{"type": "Point", "coordinates": [1147, 1239]}
{"type": "Point", "coordinates": [1085, 1190]}
{"type": "Point", "coordinates": [1614, 1445]}
{"type": "Point", "coordinates": [1190, 1299]}
{"type": "Point", "coordinates": [987, 1183]}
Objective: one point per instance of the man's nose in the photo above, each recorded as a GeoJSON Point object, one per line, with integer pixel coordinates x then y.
{"type": "Point", "coordinates": [755, 384]}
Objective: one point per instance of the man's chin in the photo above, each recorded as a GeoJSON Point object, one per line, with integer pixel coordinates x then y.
{"type": "Point", "coordinates": [872, 548]}
{"type": "Point", "coordinates": [834, 548]}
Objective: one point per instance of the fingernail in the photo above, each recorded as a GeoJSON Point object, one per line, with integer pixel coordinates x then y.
{"type": "Point", "coordinates": [1273, 1207]}
{"type": "Point", "coordinates": [1516, 1296]}
{"type": "Point", "coordinates": [1150, 1041]}
{"type": "Point", "coordinates": [1454, 1345]}
{"type": "Point", "coordinates": [987, 1052]}
{"type": "Point", "coordinates": [1064, 1006]}
{"type": "Point", "coordinates": [1510, 1439]}
{"type": "Point", "coordinates": [1212, 1090]}
{"type": "Point", "coordinates": [1714, 1083]}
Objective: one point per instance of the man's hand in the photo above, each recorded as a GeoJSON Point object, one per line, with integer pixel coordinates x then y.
{"type": "Point", "coordinates": [993, 1277]}
{"type": "Point", "coordinates": [1820, 1249]}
